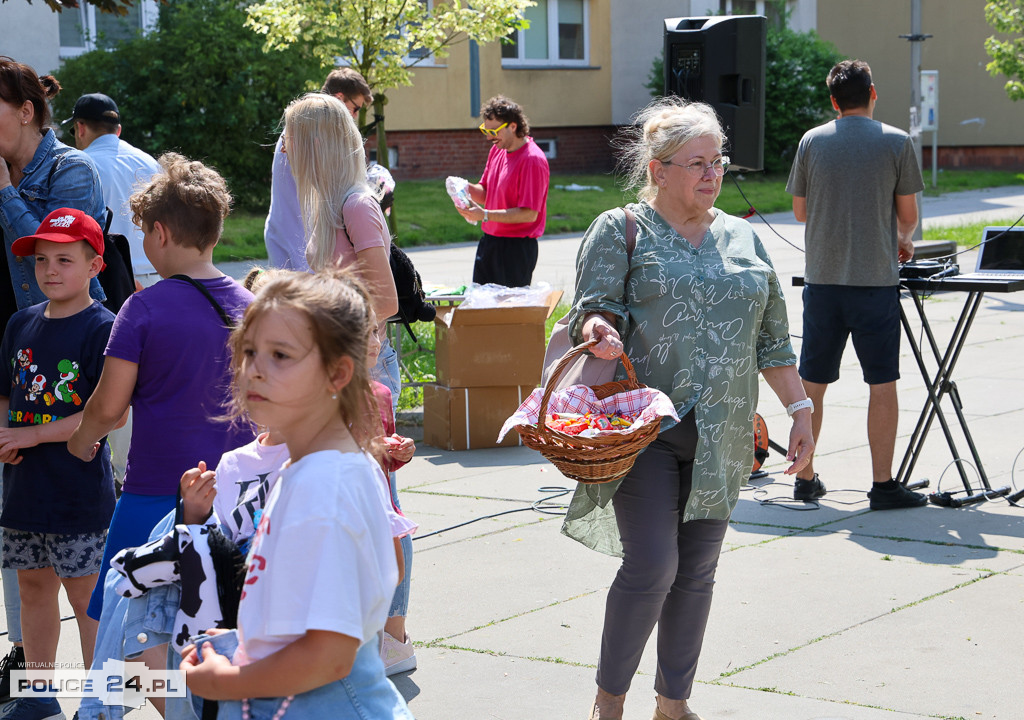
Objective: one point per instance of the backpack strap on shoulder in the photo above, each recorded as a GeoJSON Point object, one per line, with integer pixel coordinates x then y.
{"type": "Point", "coordinates": [228, 322]}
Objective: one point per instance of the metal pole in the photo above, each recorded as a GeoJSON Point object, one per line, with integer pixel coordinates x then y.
{"type": "Point", "coordinates": [916, 37]}
{"type": "Point", "coordinates": [915, 98]}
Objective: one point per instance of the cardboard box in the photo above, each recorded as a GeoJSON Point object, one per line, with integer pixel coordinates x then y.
{"type": "Point", "coordinates": [488, 347]}
{"type": "Point", "coordinates": [470, 418]}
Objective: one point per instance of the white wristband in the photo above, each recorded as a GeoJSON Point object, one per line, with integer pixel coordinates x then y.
{"type": "Point", "coordinates": [799, 405]}
{"type": "Point", "coordinates": [485, 217]}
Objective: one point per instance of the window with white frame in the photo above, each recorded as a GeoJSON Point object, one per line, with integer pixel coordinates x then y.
{"type": "Point", "coordinates": [558, 35]}
{"type": "Point", "coordinates": [85, 28]}
{"type": "Point", "coordinates": [769, 8]}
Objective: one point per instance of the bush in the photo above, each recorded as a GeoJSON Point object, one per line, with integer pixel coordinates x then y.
{"type": "Point", "coordinates": [199, 84]}
{"type": "Point", "coordinates": [796, 98]}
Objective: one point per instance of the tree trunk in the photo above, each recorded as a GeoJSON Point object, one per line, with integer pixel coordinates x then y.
{"type": "Point", "coordinates": [379, 101]}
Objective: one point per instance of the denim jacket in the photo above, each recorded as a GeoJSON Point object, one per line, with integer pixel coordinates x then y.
{"type": "Point", "coordinates": [130, 625]}
{"type": "Point", "coordinates": [58, 176]}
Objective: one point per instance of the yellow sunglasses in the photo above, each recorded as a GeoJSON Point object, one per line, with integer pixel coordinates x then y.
{"type": "Point", "coordinates": [492, 133]}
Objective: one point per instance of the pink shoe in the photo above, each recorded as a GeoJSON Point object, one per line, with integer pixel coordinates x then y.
{"type": "Point", "coordinates": [398, 657]}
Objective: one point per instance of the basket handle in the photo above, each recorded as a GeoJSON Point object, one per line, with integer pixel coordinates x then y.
{"type": "Point", "coordinates": [565, 362]}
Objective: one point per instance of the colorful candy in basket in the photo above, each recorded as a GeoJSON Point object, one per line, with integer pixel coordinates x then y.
{"type": "Point", "coordinates": [576, 423]}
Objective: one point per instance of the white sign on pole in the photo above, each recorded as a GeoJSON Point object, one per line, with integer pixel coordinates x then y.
{"type": "Point", "coordinates": [930, 100]}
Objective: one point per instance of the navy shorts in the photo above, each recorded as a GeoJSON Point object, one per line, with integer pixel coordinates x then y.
{"type": "Point", "coordinates": [870, 315]}
{"type": "Point", "coordinates": [72, 555]}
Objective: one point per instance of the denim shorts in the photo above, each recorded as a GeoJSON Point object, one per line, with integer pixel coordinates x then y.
{"type": "Point", "coordinates": [72, 555]}
{"type": "Point", "coordinates": [365, 694]}
{"type": "Point", "coordinates": [868, 315]}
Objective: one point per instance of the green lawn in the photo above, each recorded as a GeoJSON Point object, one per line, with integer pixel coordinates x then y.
{"type": "Point", "coordinates": [425, 215]}
{"type": "Point", "coordinates": [966, 235]}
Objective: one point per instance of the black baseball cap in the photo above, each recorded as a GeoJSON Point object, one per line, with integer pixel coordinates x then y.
{"type": "Point", "coordinates": [95, 106]}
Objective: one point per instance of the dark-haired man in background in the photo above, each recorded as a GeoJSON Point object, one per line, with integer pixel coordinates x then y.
{"type": "Point", "coordinates": [511, 197]}
{"type": "Point", "coordinates": [854, 182]}
{"type": "Point", "coordinates": [122, 167]}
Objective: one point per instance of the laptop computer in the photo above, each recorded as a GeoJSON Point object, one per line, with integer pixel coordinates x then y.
{"type": "Point", "coordinates": [1001, 255]}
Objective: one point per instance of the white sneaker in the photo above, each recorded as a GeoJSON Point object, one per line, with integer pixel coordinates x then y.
{"type": "Point", "coordinates": [398, 657]}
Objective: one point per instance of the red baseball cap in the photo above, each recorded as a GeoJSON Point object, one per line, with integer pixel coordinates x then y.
{"type": "Point", "coordinates": [63, 225]}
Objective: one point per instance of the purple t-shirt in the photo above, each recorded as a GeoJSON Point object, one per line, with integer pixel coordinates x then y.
{"type": "Point", "coordinates": [180, 344]}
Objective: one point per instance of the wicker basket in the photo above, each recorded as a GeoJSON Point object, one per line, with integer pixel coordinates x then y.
{"type": "Point", "coordinates": [589, 459]}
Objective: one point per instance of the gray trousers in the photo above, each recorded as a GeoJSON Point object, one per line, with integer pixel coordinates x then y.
{"type": "Point", "coordinates": [667, 572]}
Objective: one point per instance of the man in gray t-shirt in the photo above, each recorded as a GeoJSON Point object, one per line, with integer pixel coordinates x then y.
{"type": "Point", "coordinates": [854, 182]}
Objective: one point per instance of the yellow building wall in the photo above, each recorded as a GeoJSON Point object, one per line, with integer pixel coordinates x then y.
{"type": "Point", "coordinates": [973, 107]}
{"type": "Point", "coordinates": [439, 98]}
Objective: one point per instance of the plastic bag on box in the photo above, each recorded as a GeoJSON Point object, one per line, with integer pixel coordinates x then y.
{"type": "Point", "coordinates": [493, 296]}
{"type": "Point", "coordinates": [458, 191]}
{"type": "Point", "coordinates": [645, 404]}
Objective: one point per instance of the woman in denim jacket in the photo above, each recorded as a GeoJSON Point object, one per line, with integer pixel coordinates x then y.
{"type": "Point", "coordinates": [39, 174]}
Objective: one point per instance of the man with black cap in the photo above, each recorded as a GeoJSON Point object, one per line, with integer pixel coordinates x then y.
{"type": "Point", "coordinates": [122, 167]}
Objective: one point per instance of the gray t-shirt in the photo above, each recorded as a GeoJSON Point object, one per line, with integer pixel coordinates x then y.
{"type": "Point", "coordinates": [850, 170]}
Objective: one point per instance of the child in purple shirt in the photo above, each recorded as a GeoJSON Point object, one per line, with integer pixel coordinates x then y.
{"type": "Point", "coordinates": [168, 356]}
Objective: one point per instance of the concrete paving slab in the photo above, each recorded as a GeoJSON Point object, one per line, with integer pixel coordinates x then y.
{"type": "Point", "coordinates": [957, 656]}
{"type": "Point", "coordinates": [504, 688]}
{"type": "Point", "coordinates": [799, 571]}
{"type": "Point", "coordinates": [446, 513]}
{"type": "Point", "coordinates": [512, 482]}
{"type": "Point", "coordinates": [434, 465]}
{"type": "Point", "coordinates": [495, 577]}
{"type": "Point", "coordinates": [987, 530]}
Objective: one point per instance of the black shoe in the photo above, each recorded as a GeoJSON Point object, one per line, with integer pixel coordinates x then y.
{"type": "Point", "coordinates": [808, 490]}
{"type": "Point", "coordinates": [14, 660]}
{"type": "Point", "coordinates": [892, 495]}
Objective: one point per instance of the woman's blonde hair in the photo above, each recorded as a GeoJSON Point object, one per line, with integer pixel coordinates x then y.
{"type": "Point", "coordinates": [325, 151]}
{"type": "Point", "coordinates": [338, 308]}
{"type": "Point", "coordinates": [657, 133]}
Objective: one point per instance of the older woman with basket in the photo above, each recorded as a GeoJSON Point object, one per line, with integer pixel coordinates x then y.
{"type": "Point", "coordinates": [697, 307]}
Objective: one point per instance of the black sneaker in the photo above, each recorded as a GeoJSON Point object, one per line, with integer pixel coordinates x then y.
{"type": "Point", "coordinates": [808, 490]}
{"type": "Point", "coordinates": [14, 660]}
{"type": "Point", "coordinates": [892, 495]}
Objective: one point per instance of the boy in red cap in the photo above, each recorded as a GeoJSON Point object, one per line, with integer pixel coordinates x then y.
{"type": "Point", "coordinates": [56, 508]}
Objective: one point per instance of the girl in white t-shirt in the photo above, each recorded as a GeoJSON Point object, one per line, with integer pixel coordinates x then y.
{"type": "Point", "coordinates": [325, 560]}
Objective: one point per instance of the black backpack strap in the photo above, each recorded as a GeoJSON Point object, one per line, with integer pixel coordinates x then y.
{"type": "Point", "coordinates": [228, 322]}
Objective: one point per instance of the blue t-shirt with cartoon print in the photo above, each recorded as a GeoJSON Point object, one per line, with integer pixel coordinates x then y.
{"type": "Point", "coordinates": [50, 368]}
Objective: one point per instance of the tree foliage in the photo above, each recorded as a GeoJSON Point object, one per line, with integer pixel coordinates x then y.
{"type": "Point", "coordinates": [375, 37]}
{"type": "Point", "coordinates": [199, 84]}
{"type": "Point", "coordinates": [796, 97]}
{"type": "Point", "coordinates": [1007, 16]}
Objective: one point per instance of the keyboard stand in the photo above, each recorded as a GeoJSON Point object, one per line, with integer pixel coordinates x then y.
{"type": "Point", "coordinates": [941, 384]}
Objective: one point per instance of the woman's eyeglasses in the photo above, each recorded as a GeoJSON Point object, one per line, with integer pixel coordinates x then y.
{"type": "Point", "coordinates": [492, 133]}
{"type": "Point", "coordinates": [697, 168]}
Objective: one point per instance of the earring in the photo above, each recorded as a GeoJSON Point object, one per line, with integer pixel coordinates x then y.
{"type": "Point", "coordinates": [334, 396]}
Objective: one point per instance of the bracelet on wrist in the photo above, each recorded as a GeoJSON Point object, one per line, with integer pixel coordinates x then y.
{"type": "Point", "coordinates": [799, 405]}
{"type": "Point", "coordinates": [486, 217]}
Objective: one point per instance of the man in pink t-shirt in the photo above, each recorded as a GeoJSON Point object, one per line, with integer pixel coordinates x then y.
{"type": "Point", "coordinates": [511, 197]}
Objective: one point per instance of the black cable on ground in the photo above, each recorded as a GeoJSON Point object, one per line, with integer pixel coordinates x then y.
{"type": "Point", "coordinates": [543, 505]}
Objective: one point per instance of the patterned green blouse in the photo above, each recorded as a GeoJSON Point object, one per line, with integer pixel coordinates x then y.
{"type": "Point", "coordinates": [698, 324]}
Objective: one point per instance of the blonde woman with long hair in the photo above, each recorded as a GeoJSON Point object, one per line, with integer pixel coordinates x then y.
{"type": "Point", "coordinates": [345, 227]}
{"type": "Point", "coordinates": [344, 224]}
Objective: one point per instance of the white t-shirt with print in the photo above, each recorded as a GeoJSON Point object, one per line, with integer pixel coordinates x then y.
{"type": "Point", "coordinates": [244, 479]}
{"type": "Point", "coordinates": [323, 557]}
